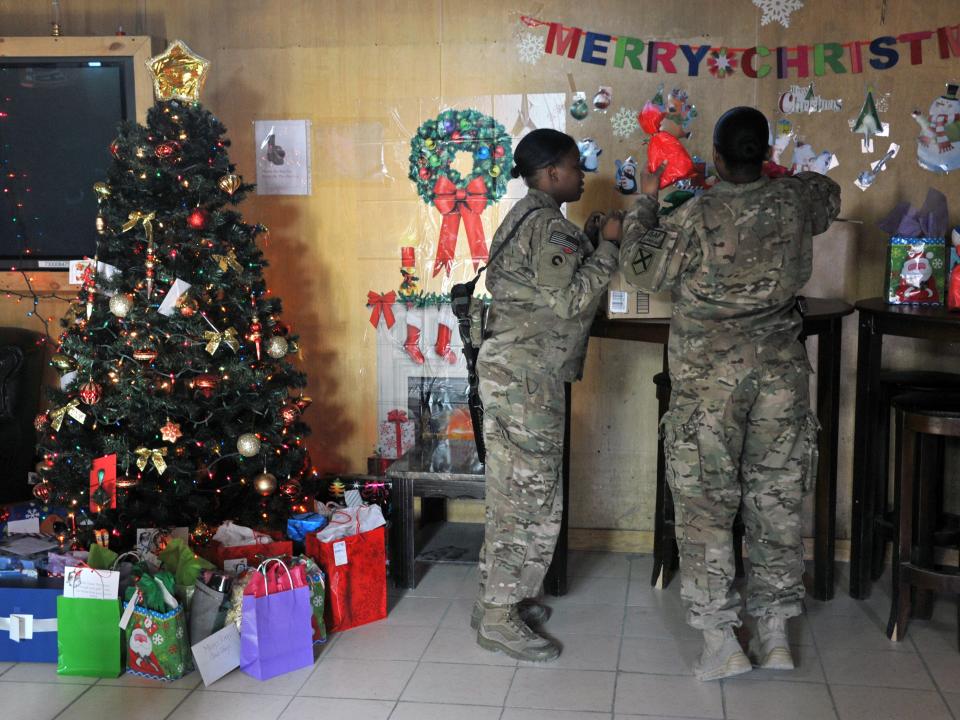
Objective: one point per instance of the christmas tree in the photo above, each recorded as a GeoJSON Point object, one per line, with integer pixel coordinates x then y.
{"type": "Point", "coordinates": [173, 356]}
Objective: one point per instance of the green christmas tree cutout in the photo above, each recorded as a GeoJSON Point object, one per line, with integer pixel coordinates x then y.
{"type": "Point", "coordinates": [869, 123]}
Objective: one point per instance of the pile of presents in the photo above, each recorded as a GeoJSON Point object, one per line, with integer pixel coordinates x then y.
{"type": "Point", "coordinates": [243, 599]}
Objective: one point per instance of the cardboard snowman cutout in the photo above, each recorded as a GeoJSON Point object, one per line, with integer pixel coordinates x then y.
{"type": "Point", "coordinates": [938, 145]}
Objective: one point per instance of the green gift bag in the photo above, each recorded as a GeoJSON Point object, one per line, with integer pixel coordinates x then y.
{"type": "Point", "coordinates": [88, 637]}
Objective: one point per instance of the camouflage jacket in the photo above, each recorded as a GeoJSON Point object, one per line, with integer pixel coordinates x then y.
{"type": "Point", "coordinates": [545, 288]}
{"type": "Point", "coordinates": [733, 259]}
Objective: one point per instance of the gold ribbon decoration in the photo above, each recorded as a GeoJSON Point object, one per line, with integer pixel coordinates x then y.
{"type": "Point", "coordinates": [228, 337]}
{"type": "Point", "coordinates": [145, 455]}
{"type": "Point", "coordinates": [146, 218]}
{"type": "Point", "coordinates": [72, 409]}
{"type": "Point", "coordinates": [228, 260]}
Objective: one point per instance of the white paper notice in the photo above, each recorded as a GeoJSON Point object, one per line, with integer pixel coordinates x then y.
{"type": "Point", "coordinates": [340, 553]}
{"type": "Point", "coordinates": [18, 527]}
{"type": "Point", "coordinates": [81, 582]}
{"type": "Point", "coordinates": [218, 654]}
{"type": "Point", "coordinates": [169, 303]}
{"type": "Point", "coordinates": [283, 157]}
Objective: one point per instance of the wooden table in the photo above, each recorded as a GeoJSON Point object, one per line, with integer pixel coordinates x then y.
{"type": "Point", "coordinates": [823, 319]}
{"type": "Point", "coordinates": [877, 319]}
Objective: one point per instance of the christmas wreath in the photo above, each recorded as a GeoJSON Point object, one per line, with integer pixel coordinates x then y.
{"type": "Point", "coordinates": [432, 152]}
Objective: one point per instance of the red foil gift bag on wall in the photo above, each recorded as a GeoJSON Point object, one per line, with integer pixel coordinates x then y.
{"type": "Point", "coordinates": [355, 562]}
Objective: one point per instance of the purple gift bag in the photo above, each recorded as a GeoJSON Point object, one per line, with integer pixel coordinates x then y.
{"type": "Point", "coordinates": [275, 632]}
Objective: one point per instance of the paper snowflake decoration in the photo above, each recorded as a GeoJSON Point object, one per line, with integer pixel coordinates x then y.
{"type": "Point", "coordinates": [530, 47]}
{"type": "Point", "coordinates": [777, 10]}
{"type": "Point", "coordinates": [624, 122]}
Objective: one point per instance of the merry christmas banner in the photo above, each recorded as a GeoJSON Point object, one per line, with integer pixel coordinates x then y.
{"type": "Point", "coordinates": [881, 53]}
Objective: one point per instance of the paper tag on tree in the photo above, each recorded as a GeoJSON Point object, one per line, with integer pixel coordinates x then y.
{"type": "Point", "coordinates": [169, 304]}
{"type": "Point", "coordinates": [103, 483]}
{"type": "Point", "coordinates": [340, 553]}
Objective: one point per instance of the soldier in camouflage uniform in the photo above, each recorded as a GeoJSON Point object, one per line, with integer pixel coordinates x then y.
{"type": "Point", "coordinates": [739, 434]}
{"type": "Point", "coordinates": [545, 285]}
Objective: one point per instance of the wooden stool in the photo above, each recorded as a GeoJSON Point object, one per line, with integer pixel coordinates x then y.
{"type": "Point", "coordinates": [666, 554]}
{"type": "Point", "coordinates": [893, 383]}
{"type": "Point", "coordinates": [919, 416]}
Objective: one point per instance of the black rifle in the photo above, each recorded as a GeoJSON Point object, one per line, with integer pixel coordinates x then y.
{"type": "Point", "coordinates": [468, 310]}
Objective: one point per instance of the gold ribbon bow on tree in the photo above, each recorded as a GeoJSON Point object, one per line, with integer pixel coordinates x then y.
{"type": "Point", "coordinates": [228, 337]}
{"type": "Point", "coordinates": [228, 260]}
{"type": "Point", "coordinates": [146, 218]}
{"type": "Point", "coordinates": [72, 409]}
{"type": "Point", "coordinates": [145, 455]}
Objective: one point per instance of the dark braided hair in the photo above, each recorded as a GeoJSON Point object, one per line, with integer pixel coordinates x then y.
{"type": "Point", "coordinates": [538, 150]}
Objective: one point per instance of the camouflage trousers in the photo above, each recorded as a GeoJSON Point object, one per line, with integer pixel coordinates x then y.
{"type": "Point", "coordinates": [746, 444]}
{"type": "Point", "coordinates": [523, 433]}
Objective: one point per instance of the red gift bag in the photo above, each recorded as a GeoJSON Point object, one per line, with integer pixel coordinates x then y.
{"type": "Point", "coordinates": [356, 568]}
{"type": "Point", "coordinates": [237, 557]}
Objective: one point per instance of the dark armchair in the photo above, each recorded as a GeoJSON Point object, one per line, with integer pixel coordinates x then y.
{"type": "Point", "coordinates": [22, 359]}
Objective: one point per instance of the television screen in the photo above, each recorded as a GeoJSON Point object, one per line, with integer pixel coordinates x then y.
{"type": "Point", "coordinates": [58, 117]}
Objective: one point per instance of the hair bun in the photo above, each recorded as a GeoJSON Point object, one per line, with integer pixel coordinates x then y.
{"type": "Point", "coordinates": [514, 172]}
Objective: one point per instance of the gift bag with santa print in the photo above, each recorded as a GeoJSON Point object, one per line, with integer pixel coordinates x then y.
{"type": "Point", "coordinates": [276, 635]}
{"type": "Point", "coordinates": [916, 270]}
{"type": "Point", "coordinates": [156, 630]}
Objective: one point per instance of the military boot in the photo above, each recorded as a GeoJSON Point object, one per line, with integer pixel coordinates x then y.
{"type": "Point", "coordinates": [722, 656]}
{"type": "Point", "coordinates": [501, 629]}
{"type": "Point", "coordinates": [774, 649]}
{"type": "Point", "coordinates": [531, 612]}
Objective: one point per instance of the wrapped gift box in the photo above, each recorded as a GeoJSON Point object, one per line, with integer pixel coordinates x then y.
{"type": "Point", "coordinates": [396, 436]}
{"type": "Point", "coordinates": [28, 619]}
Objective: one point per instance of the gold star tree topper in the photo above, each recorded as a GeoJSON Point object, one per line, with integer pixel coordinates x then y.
{"type": "Point", "coordinates": [178, 73]}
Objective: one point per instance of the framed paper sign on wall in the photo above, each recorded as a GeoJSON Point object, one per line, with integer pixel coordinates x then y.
{"type": "Point", "coordinates": [283, 157]}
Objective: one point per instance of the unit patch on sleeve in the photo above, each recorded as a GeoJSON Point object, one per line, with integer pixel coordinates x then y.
{"type": "Point", "coordinates": [641, 261]}
{"type": "Point", "coordinates": [567, 243]}
{"type": "Point", "coordinates": [653, 238]}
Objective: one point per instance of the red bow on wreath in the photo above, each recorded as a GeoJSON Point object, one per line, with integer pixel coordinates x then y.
{"type": "Point", "coordinates": [381, 304]}
{"type": "Point", "coordinates": [454, 203]}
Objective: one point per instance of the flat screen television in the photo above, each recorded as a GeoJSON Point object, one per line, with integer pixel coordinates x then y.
{"type": "Point", "coordinates": [58, 116]}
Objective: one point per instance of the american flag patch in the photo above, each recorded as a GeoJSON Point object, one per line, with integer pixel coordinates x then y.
{"type": "Point", "coordinates": [567, 243]}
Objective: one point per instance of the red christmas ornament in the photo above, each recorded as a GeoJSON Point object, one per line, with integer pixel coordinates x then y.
{"type": "Point", "coordinates": [170, 432]}
{"type": "Point", "coordinates": [166, 149]}
{"type": "Point", "coordinates": [145, 354]}
{"type": "Point", "coordinates": [281, 329]}
{"type": "Point", "coordinates": [303, 403]}
{"type": "Point", "coordinates": [206, 384]}
{"type": "Point", "coordinates": [198, 219]}
{"type": "Point", "coordinates": [289, 414]}
{"type": "Point", "coordinates": [424, 174]}
{"type": "Point", "coordinates": [115, 149]}
{"type": "Point", "coordinates": [256, 335]}
{"type": "Point", "coordinates": [291, 488]}
{"type": "Point", "coordinates": [43, 491]}
{"type": "Point", "coordinates": [91, 393]}
{"type": "Point", "coordinates": [498, 151]}
{"type": "Point", "coordinates": [40, 421]}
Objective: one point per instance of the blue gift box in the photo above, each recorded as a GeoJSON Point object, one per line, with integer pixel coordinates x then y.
{"type": "Point", "coordinates": [299, 526]}
{"type": "Point", "coordinates": [28, 619]}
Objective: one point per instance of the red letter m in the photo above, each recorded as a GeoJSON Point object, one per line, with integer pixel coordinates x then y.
{"type": "Point", "coordinates": [564, 39]}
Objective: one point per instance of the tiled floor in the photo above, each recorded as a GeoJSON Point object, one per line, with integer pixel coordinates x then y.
{"type": "Point", "coordinates": [627, 654]}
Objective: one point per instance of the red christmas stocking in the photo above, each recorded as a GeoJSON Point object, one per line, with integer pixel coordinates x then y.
{"type": "Point", "coordinates": [412, 344]}
{"type": "Point", "coordinates": [444, 333]}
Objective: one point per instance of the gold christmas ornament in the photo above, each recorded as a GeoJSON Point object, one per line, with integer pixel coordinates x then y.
{"type": "Point", "coordinates": [248, 444]}
{"type": "Point", "coordinates": [102, 190]}
{"type": "Point", "coordinates": [121, 304]}
{"type": "Point", "coordinates": [229, 184]}
{"type": "Point", "coordinates": [178, 73]}
{"type": "Point", "coordinates": [265, 483]}
{"type": "Point", "coordinates": [63, 363]}
{"type": "Point", "coordinates": [277, 347]}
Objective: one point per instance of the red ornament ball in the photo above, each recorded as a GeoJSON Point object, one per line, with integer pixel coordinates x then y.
{"type": "Point", "coordinates": [91, 393]}
{"type": "Point", "coordinates": [281, 329]}
{"type": "Point", "coordinates": [424, 174]}
{"type": "Point", "coordinates": [498, 151]}
{"type": "Point", "coordinates": [43, 491]}
{"type": "Point", "coordinates": [40, 421]}
{"type": "Point", "coordinates": [289, 414]}
{"type": "Point", "coordinates": [291, 488]}
{"type": "Point", "coordinates": [198, 219]}
{"type": "Point", "coordinates": [166, 149]}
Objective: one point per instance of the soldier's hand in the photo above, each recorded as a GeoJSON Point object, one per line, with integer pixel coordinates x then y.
{"type": "Point", "coordinates": [650, 181]}
{"type": "Point", "coordinates": [612, 228]}
{"type": "Point", "coordinates": [592, 226]}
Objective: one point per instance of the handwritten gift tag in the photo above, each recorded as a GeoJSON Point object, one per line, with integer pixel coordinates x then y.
{"type": "Point", "coordinates": [217, 654]}
{"type": "Point", "coordinates": [84, 582]}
